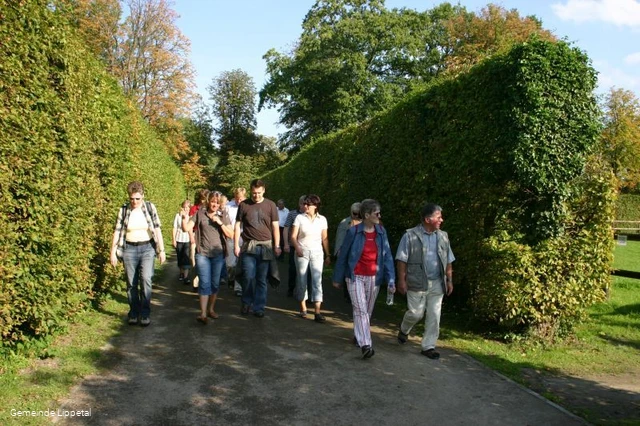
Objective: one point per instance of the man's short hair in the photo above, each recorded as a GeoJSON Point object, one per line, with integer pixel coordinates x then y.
{"type": "Point", "coordinates": [135, 186]}
{"type": "Point", "coordinates": [239, 191]}
{"type": "Point", "coordinates": [429, 209]}
{"type": "Point", "coordinates": [257, 183]}
{"type": "Point", "coordinates": [301, 199]}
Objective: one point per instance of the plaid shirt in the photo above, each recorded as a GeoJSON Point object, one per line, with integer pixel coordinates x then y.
{"type": "Point", "coordinates": [150, 213]}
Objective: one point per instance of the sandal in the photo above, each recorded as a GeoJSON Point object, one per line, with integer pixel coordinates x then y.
{"type": "Point", "coordinates": [213, 315]}
{"type": "Point", "coordinates": [202, 320]}
{"type": "Point", "coordinates": [302, 314]}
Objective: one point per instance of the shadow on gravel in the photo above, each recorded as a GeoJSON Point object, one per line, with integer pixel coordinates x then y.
{"type": "Point", "coordinates": [283, 370]}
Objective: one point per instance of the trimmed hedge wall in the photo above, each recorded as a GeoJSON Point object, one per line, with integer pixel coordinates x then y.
{"type": "Point", "coordinates": [628, 207]}
{"type": "Point", "coordinates": [70, 144]}
{"type": "Point", "coordinates": [504, 149]}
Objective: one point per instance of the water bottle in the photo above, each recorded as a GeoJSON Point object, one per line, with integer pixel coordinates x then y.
{"type": "Point", "coordinates": [389, 298]}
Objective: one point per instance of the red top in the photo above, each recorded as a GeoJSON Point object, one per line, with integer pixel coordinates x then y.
{"type": "Point", "coordinates": [368, 263]}
{"type": "Point", "coordinates": [194, 209]}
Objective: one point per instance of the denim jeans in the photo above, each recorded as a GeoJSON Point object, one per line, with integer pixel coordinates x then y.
{"type": "Point", "coordinates": [209, 271]}
{"type": "Point", "coordinates": [138, 266]}
{"type": "Point", "coordinates": [309, 264]}
{"type": "Point", "coordinates": [254, 280]}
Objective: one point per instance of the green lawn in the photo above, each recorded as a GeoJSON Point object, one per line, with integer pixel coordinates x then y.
{"type": "Point", "coordinates": [606, 343]}
{"type": "Point", "coordinates": [627, 257]}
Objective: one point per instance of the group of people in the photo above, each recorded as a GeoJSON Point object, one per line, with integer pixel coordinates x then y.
{"type": "Point", "coordinates": [241, 241]}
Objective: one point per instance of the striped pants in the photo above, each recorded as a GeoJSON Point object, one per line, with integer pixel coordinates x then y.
{"type": "Point", "coordinates": [363, 292]}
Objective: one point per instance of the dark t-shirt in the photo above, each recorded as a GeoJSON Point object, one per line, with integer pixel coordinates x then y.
{"type": "Point", "coordinates": [256, 219]}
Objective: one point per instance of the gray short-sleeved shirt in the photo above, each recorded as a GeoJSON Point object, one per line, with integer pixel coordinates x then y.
{"type": "Point", "coordinates": [430, 261]}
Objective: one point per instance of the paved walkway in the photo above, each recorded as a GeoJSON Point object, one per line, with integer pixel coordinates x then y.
{"type": "Point", "coordinates": [282, 370]}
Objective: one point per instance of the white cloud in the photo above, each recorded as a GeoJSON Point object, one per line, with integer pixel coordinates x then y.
{"type": "Point", "coordinates": [633, 59]}
{"type": "Point", "coordinates": [622, 13]}
{"type": "Point", "coordinates": [609, 76]}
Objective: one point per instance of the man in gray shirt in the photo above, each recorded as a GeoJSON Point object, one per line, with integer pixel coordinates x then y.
{"type": "Point", "coordinates": [425, 274]}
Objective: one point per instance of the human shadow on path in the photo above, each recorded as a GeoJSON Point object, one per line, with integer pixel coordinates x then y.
{"type": "Point", "coordinates": [283, 370]}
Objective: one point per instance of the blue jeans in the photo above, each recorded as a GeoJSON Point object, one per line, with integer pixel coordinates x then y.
{"type": "Point", "coordinates": [254, 280]}
{"type": "Point", "coordinates": [209, 270]}
{"type": "Point", "coordinates": [138, 267]}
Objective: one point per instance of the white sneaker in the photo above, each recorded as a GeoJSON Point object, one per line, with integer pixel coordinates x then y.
{"type": "Point", "coordinates": [132, 321]}
{"type": "Point", "coordinates": [145, 321]}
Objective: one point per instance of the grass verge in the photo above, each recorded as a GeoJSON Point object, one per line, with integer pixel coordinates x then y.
{"type": "Point", "coordinates": [605, 344]}
{"type": "Point", "coordinates": [30, 384]}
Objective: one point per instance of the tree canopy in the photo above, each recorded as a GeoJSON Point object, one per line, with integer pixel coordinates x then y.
{"type": "Point", "coordinates": [620, 142]}
{"type": "Point", "coordinates": [356, 58]}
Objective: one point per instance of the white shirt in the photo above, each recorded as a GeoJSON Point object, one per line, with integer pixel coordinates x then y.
{"type": "Point", "coordinates": [282, 216]}
{"type": "Point", "coordinates": [310, 231]}
{"type": "Point", "coordinates": [137, 228]}
{"type": "Point", "coordinates": [232, 207]}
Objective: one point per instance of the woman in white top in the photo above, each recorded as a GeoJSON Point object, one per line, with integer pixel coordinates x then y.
{"type": "Point", "coordinates": [136, 241]}
{"type": "Point", "coordinates": [181, 241]}
{"type": "Point", "coordinates": [309, 239]}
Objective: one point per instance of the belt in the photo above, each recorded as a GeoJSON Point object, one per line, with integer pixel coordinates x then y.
{"type": "Point", "coordinates": [138, 243]}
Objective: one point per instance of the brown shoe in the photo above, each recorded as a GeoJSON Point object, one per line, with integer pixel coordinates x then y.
{"type": "Point", "coordinates": [202, 320]}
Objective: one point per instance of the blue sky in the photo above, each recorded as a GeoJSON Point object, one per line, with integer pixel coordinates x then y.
{"type": "Point", "coordinates": [227, 35]}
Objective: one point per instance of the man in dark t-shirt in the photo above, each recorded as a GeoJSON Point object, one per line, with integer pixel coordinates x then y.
{"type": "Point", "coordinates": [257, 223]}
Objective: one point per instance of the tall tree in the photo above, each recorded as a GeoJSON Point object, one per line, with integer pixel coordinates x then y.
{"type": "Point", "coordinates": [355, 58]}
{"type": "Point", "coordinates": [98, 24]}
{"type": "Point", "coordinates": [152, 61]}
{"type": "Point", "coordinates": [198, 132]}
{"type": "Point", "coordinates": [620, 142]}
{"type": "Point", "coordinates": [233, 94]}
{"type": "Point", "coordinates": [474, 37]}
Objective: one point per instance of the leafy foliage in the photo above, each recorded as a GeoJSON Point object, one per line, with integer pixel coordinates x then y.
{"type": "Point", "coordinates": [504, 148]}
{"type": "Point", "coordinates": [356, 58]}
{"type": "Point", "coordinates": [242, 153]}
{"type": "Point", "coordinates": [71, 142]}
{"type": "Point", "coordinates": [620, 142]}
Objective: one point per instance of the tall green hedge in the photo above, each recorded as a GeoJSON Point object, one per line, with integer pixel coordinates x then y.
{"type": "Point", "coordinates": [505, 150]}
{"type": "Point", "coordinates": [70, 143]}
{"type": "Point", "coordinates": [628, 207]}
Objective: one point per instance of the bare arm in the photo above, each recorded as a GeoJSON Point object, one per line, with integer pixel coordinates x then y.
{"type": "Point", "coordinates": [187, 225]}
{"type": "Point", "coordinates": [275, 226]}
{"type": "Point", "coordinates": [236, 238]}
{"type": "Point", "coordinates": [325, 247]}
{"type": "Point", "coordinates": [161, 255]}
{"type": "Point", "coordinates": [294, 241]}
